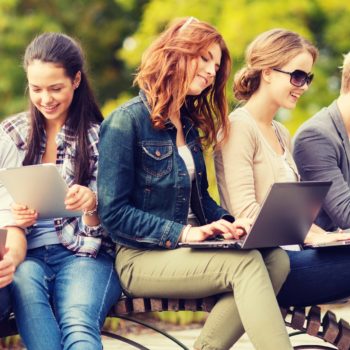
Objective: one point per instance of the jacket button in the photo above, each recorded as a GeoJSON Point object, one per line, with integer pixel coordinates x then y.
{"type": "Point", "coordinates": [158, 153]}
{"type": "Point", "coordinates": [168, 244]}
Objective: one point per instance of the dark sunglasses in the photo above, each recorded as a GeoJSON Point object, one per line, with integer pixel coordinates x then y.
{"type": "Point", "coordinates": [298, 77]}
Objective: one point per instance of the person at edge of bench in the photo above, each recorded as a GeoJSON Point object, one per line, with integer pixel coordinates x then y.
{"type": "Point", "coordinates": [322, 152]}
{"type": "Point", "coordinates": [152, 188]}
{"type": "Point", "coordinates": [67, 283]}
{"type": "Point", "coordinates": [258, 153]}
{"type": "Point", "coordinates": [16, 244]}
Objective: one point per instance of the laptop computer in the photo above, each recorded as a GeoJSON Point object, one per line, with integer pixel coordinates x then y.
{"type": "Point", "coordinates": [285, 217]}
{"type": "Point", "coordinates": [40, 187]}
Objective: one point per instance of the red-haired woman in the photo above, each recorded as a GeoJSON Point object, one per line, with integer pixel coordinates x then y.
{"type": "Point", "coordinates": [153, 194]}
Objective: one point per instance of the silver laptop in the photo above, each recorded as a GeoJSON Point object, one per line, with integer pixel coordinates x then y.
{"type": "Point", "coordinates": [40, 187]}
{"type": "Point", "coordinates": [285, 217]}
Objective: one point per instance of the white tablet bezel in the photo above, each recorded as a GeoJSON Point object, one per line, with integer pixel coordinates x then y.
{"type": "Point", "coordinates": [40, 187]}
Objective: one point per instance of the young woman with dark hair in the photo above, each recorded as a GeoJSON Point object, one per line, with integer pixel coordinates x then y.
{"type": "Point", "coordinates": [153, 193]}
{"type": "Point", "coordinates": [67, 283]}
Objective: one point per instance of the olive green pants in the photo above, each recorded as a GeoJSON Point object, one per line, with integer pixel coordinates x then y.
{"type": "Point", "coordinates": [248, 303]}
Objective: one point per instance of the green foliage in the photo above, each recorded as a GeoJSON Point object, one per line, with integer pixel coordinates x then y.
{"type": "Point", "coordinates": [323, 22]}
{"type": "Point", "coordinates": [13, 342]}
{"type": "Point", "coordinates": [181, 317]}
{"type": "Point", "coordinates": [111, 324]}
{"type": "Point", "coordinates": [114, 34]}
{"type": "Point", "coordinates": [100, 26]}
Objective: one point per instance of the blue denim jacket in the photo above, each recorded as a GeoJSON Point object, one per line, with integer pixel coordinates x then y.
{"type": "Point", "coordinates": [144, 188]}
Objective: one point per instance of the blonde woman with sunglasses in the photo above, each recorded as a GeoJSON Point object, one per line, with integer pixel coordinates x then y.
{"type": "Point", "coordinates": [257, 153]}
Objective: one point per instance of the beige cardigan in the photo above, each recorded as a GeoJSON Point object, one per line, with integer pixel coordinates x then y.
{"type": "Point", "coordinates": [246, 166]}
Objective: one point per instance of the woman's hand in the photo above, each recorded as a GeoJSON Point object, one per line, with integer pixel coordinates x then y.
{"type": "Point", "coordinates": [221, 227]}
{"type": "Point", "coordinates": [242, 227]}
{"type": "Point", "coordinates": [24, 216]}
{"type": "Point", "coordinates": [325, 237]}
{"type": "Point", "coordinates": [80, 198]}
{"type": "Point", "coordinates": [7, 269]}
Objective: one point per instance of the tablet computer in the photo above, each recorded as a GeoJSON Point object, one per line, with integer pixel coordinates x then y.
{"type": "Point", "coordinates": [3, 234]}
{"type": "Point", "coordinates": [40, 187]}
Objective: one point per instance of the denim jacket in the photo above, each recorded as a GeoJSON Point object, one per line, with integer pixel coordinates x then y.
{"type": "Point", "coordinates": [144, 188]}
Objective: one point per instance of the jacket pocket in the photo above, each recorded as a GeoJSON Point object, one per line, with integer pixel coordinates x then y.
{"type": "Point", "coordinates": [157, 158]}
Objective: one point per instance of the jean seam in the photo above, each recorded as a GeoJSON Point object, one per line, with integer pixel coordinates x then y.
{"type": "Point", "coordinates": [104, 295]}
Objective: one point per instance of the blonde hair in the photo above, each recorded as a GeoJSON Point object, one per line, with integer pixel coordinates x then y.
{"type": "Point", "coordinates": [345, 78]}
{"type": "Point", "coordinates": [164, 77]}
{"type": "Point", "coordinates": [271, 49]}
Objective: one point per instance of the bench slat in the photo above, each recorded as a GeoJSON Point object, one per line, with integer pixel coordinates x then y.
{"type": "Point", "coordinates": [333, 332]}
{"type": "Point", "coordinates": [313, 321]}
{"type": "Point", "coordinates": [330, 327]}
{"type": "Point", "coordinates": [298, 318]}
{"type": "Point", "coordinates": [343, 340]}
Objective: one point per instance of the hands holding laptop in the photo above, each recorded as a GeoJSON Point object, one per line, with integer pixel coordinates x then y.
{"type": "Point", "coordinates": [315, 237]}
{"type": "Point", "coordinates": [77, 198]}
{"type": "Point", "coordinates": [229, 230]}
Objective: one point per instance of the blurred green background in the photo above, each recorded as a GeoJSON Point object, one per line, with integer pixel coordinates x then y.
{"type": "Point", "coordinates": [114, 33]}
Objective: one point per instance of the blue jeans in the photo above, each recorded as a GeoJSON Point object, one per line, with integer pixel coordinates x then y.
{"type": "Point", "coordinates": [61, 300]}
{"type": "Point", "coordinates": [5, 302]}
{"type": "Point", "coordinates": [317, 276]}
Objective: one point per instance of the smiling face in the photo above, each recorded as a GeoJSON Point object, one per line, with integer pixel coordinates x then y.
{"type": "Point", "coordinates": [50, 90]}
{"type": "Point", "coordinates": [206, 67]}
{"type": "Point", "coordinates": [285, 94]}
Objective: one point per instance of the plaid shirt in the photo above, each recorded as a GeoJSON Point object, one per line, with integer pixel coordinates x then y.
{"type": "Point", "coordinates": [72, 232]}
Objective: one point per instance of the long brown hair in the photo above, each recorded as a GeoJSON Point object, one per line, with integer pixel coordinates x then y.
{"type": "Point", "coordinates": [271, 49]}
{"type": "Point", "coordinates": [60, 49]}
{"type": "Point", "coordinates": [164, 77]}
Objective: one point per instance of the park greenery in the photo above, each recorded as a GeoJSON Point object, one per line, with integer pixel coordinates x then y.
{"type": "Point", "coordinates": [114, 33]}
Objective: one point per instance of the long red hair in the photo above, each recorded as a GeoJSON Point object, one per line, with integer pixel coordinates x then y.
{"type": "Point", "coordinates": [164, 77]}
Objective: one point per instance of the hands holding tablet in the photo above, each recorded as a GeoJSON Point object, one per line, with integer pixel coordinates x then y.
{"type": "Point", "coordinates": [78, 198]}
{"type": "Point", "coordinates": [24, 216]}
{"type": "Point", "coordinates": [81, 198]}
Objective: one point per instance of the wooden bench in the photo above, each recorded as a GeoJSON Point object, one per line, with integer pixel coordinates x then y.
{"type": "Point", "coordinates": [335, 334]}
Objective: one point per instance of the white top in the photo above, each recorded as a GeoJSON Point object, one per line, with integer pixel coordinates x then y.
{"type": "Point", "coordinates": [289, 173]}
{"type": "Point", "coordinates": [186, 155]}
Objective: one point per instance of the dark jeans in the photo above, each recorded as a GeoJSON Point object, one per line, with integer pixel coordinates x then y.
{"type": "Point", "coordinates": [5, 302]}
{"type": "Point", "coordinates": [317, 276]}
